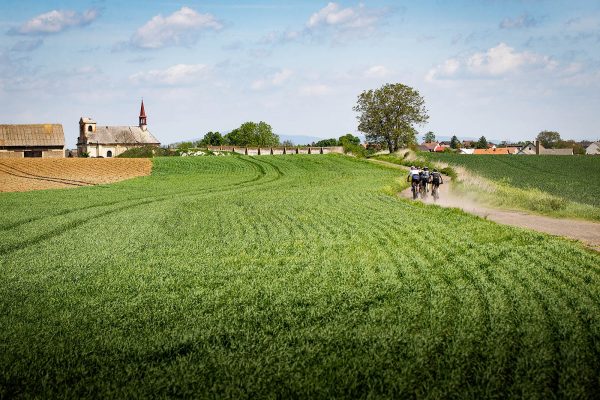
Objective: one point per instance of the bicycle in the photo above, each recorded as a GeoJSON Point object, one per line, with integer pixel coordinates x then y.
{"type": "Point", "coordinates": [435, 192]}
{"type": "Point", "coordinates": [415, 189]}
{"type": "Point", "coordinates": [423, 190]}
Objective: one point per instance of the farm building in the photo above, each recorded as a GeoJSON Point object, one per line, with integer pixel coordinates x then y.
{"type": "Point", "coordinates": [593, 148]}
{"type": "Point", "coordinates": [39, 140]}
{"type": "Point", "coordinates": [494, 151]}
{"type": "Point", "coordinates": [110, 141]}
{"type": "Point", "coordinates": [528, 149]}
{"type": "Point", "coordinates": [538, 148]}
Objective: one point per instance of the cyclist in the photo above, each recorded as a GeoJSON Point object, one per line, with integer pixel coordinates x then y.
{"type": "Point", "coordinates": [425, 177]}
{"type": "Point", "coordinates": [436, 181]}
{"type": "Point", "coordinates": [414, 177]}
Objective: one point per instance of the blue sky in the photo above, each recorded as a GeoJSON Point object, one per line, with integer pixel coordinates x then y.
{"type": "Point", "coordinates": [500, 68]}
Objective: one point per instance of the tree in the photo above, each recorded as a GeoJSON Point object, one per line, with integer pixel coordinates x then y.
{"type": "Point", "coordinates": [185, 146]}
{"type": "Point", "coordinates": [429, 137]}
{"type": "Point", "coordinates": [388, 115]}
{"type": "Point", "coordinates": [349, 139]}
{"type": "Point", "coordinates": [571, 144]}
{"type": "Point", "coordinates": [482, 143]}
{"type": "Point", "coordinates": [454, 142]}
{"type": "Point", "coordinates": [327, 143]}
{"type": "Point", "coordinates": [549, 139]}
{"type": "Point", "coordinates": [252, 134]}
{"type": "Point", "coordinates": [288, 143]}
{"type": "Point", "coordinates": [212, 139]}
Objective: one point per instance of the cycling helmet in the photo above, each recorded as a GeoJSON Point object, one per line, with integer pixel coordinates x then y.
{"type": "Point", "coordinates": [426, 169]}
{"type": "Point", "coordinates": [434, 170]}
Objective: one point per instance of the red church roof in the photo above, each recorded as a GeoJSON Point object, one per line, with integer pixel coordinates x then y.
{"type": "Point", "coordinates": [142, 111]}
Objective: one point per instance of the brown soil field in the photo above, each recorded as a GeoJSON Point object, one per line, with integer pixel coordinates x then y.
{"type": "Point", "coordinates": [19, 175]}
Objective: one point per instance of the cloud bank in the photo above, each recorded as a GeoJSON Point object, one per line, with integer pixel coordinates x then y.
{"type": "Point", "coordinates": [182, 28]}
{"type": "Point", "coordinates": [496, 62]}
{"type": "Point", "coordinates": [56, 21]}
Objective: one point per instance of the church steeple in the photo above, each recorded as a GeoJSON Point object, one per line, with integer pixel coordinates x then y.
{"type": "Point", "coordinates": [143, 117]}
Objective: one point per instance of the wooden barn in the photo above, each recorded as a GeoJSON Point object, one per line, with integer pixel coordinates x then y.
{"type": "Point", "coordinates": [39, 140]}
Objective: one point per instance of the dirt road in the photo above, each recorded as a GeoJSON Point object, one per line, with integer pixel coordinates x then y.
{"type": "Point", "coordinates": [585, 231]}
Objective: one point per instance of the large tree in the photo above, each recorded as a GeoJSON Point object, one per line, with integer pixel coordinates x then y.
{"type": "Point", "coordinates": [454, 142]}
{"type": "Point", "coordinates": [327, 142]}
{"type": "Point", "coordinates": [252, 134]}
{"type": "Point", "coordinates": [349, 139]}
{"type": "Point", "coordinates": [482, 143]}
{"type": "Point", "coordinates": [549, 139]}
{"type": "Point", "coordinates": [212, 139]}
{"type": "Point", "coordinates": [429, 137]}
{"type": "Point", "coordinates": [388, 115]}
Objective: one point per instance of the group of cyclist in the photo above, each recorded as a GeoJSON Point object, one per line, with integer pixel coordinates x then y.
{"type": "Point", "coordinates": [421, 179]}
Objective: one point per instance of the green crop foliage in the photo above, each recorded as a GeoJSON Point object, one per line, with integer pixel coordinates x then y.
{"type": "Point", "coordinates": [575, 178]}
{"type": "Point", "coordinates": [285, 276]}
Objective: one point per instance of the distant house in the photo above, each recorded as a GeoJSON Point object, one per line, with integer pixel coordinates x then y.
{"type": "Point", "coordinates": [513, 149]}
{"type": "Point", "coordinates": [593, 148]}
{"type": "Point", "coordinates": [539, 149]}
{"type": "Point", "coordinates": [110, 141]}
{"type": "Point", "coordinates": [40, 140]}
{"type": "Point", "coordinates": [494, 151]}
{"type": "Point", "coordinates": [428, 146]}
{"type": "Point", "coordinates": [528, 149]}
{"type": "Point", "coordinates": [467, 144]}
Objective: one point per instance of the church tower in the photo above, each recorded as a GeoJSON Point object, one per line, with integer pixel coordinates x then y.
{"type": "Point", "coordinates": [143, 123]}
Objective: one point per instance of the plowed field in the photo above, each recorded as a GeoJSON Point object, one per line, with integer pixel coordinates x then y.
{"type": "Point", "coordinates": [36, 174]}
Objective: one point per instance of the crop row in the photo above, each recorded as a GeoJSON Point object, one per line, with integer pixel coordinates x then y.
{"type": "Point", "coordinates": [281, 277]}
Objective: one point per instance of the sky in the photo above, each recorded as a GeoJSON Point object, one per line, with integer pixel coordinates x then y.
{"type": "Point", "coordinates": [504, 69]}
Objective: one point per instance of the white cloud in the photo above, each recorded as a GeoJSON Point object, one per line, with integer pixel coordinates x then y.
{"type": "Point", "coordinates": [181, 28]}
{"type": "Point", "coordinates": [56, 21]}
{"type": "Point", "coordinates": [377, 71]}
{"type": "Point", "coordinates": [445, 70]}
{"type": "Point", "coordinates": [334, 15]}
{"type": "Point", "coordinates": [503, 59]}
{"type": "Point", "coordinates": [496, 62]}
{"type": "Point", "coordinates": [175, 75]}
{"type": "Point", "coordinates": [277, 79]}
{"type": "Point", "coordinates": [315, 90]}
{"type": "Point", "coordinates": [342, 23]}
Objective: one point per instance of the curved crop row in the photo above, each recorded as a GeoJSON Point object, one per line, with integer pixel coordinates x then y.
{"type": "Point", "coordinates": [286, 277]}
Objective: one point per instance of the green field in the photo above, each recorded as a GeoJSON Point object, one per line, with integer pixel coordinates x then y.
{"type": "Point", "coordinates": [285, 276]}
{"type": "Point", "coordinates": [574, 178]}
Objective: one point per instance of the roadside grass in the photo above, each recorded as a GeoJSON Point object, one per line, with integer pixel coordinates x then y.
{"type": "Point", "coordinates": [575, 178]}
{"type": "Point", "coordinates": [502, 192]}
{"type": "Point", "coordinates": [285, 276]}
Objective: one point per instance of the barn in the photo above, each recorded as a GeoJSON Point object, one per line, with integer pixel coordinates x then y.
{"type": "Point", "coordinates": [37, 140]}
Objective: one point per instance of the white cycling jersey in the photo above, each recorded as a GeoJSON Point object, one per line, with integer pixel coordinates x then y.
{"type": "Point", "coordinates": [414, 172]}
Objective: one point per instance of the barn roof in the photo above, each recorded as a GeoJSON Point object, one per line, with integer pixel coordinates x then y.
{"type": "Point", "coordinates": [492, 151]}
{"type": "Point", "coordinates": [32, 135]}
{"type": "Point", "coordinates": [121, 134]}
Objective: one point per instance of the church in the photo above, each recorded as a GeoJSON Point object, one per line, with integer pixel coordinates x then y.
{"type": "Point", "coordinates": [110, 141]}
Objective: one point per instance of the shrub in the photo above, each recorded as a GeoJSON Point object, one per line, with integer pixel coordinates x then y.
{"type": "Point", "coordinates": [139, 152]}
